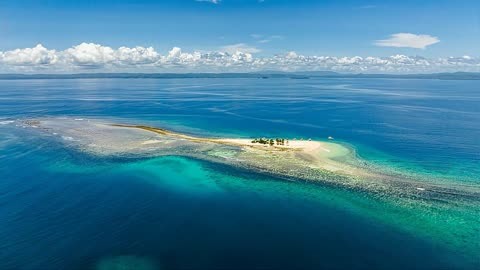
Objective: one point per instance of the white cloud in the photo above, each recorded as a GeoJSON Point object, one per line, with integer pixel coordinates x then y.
{"type": "Point", "coordinates": [265, 39]}
{"type": "Point", "coordinates": [175, 52]}
{"type": "Point", "coordinates": [210, 1]}
{"type": "Point", "coordinates": [408, 40]}
{"type": "Point", "coordinates": [291, 55]}
{"type": "Point", "coordinates": [90, 54]}
{"type": "Point", "coordinates": [231, 58]}
{"type": "Point", "coordinates": [239, 47]}
{"type": "Point", "coordinates": [137, 55]}
{"type": "Point", "coordinates": [37, 55]}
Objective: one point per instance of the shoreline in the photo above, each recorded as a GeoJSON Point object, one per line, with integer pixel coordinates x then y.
{"type": "Point", "coordinates": [316, 154]}
{"type": "Point", "coordinates": [292, 145]}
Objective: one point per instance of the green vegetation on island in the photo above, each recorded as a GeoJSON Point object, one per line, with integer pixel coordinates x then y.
{"type": "Point", "coordinates": [276, 141]}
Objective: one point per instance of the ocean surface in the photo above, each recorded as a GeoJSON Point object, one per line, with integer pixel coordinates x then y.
{"type": "Point", "coordinates": [61, 208]}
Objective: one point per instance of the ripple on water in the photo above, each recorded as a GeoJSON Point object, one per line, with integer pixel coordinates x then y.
{"type": "Point", "coordinates": [126, 262]}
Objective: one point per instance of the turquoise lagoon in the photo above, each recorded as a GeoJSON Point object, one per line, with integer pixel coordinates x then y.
{"type": "Point", "coordinates": [62, 208]}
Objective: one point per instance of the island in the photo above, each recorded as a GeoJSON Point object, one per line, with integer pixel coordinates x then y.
{"type": "Point", "coordinates": [323, 162]}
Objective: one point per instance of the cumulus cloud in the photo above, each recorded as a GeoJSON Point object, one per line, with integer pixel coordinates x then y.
{"type": "Point", "coordinates": [90, 54]}
{"type": "Point", "coordinates": [408, 40]}
{"type": "Point", "coordinates": [136, 56]}
{"type": "Point", "coordinates": [232, 58]}
{"type": "Point", "coordinates": [37, 55]}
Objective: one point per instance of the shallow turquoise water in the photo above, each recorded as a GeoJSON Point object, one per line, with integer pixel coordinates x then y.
{"type": "Point", "coordinates": [65, 209]}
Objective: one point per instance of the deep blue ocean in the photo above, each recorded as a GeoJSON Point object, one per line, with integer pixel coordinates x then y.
{"type": "Point", "coordinates": [64, 209]}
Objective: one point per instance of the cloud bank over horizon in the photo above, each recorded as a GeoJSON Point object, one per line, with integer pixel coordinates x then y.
{"type": "Point", "coordinates": [91, 57]}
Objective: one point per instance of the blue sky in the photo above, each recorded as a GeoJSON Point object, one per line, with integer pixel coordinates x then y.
{"type": "Point", "coordinates": [263, 28]}
{"type": "Point", "coordinates": [345, 28]}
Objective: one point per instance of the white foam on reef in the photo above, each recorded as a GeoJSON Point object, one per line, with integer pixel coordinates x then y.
{"type": "Point", "coordinates": [151, 142]}
{"type": "Point", "coordinates": [103, 138]}
{"type": "Point", "coordinates": [6, 122]}
{"type": "Point", "coordinates": [67, 138]}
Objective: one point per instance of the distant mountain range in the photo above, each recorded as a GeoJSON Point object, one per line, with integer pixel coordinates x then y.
{"type": "Point", "coordinates": [262, 75]}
